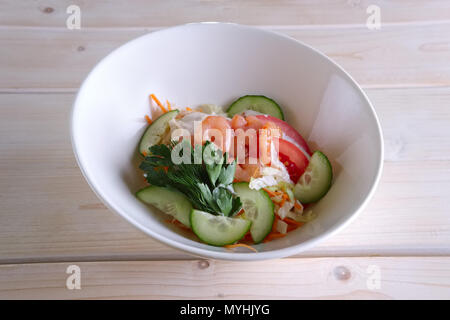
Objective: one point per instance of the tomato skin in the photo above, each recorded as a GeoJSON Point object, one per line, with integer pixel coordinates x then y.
{"type": "Point", "coordinates": [287, 130]}
{"type": "Point", "coordinates": [293, 158]}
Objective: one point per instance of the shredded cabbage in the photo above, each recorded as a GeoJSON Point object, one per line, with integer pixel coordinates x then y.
{"type": "Point", "coordinates": [281, 226]}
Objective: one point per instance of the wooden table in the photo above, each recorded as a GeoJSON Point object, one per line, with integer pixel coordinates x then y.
{"type": "Point", "coordinates": [50, 219]}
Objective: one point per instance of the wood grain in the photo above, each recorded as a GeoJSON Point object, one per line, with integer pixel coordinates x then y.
{"type": "Point", "coordinates": [158, 13]}
{"type": "Point", "coordinates": [49, 218]}
{"type": "Point", "coordinates": [50, 214]}
{"type": "Point", "coordinates": [314, 278]}
{"type": "Point", "coordinates": [374, 58]}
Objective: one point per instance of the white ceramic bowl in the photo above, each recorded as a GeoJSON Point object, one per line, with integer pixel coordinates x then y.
{"type": "Point", "coordinates": [217, 63]}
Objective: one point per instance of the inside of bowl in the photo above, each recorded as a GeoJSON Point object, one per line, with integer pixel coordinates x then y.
{"type": "Point", "coordinates": [209, 63]}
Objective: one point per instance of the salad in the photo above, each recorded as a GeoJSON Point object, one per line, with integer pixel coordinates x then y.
{"type": "Point", "coordinates": [234, 177]}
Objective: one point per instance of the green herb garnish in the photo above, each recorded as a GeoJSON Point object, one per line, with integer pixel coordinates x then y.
{"type": "Point", "coordinates": [205, 182]}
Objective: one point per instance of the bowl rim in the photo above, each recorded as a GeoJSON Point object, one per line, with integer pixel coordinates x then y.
{"type": "Point", "coordinates": [230, 255]}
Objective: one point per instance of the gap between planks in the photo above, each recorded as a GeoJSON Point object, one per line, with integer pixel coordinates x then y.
{"type": "Point", "coordinates": [364, 87]}
{"type": "Point", "coordinates": [186, 257]}
{"type": "Point", "coordinates": [294, 27]}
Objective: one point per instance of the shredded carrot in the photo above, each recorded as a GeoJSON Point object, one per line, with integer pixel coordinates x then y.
{"type": "Point", "coordinates": [158, 102]}
{"type": "Point", "coordinates": [285, 196]}
{"type": "Point", "coordinates": [277, 235]}
{"type": "Point", "coordinates": [231, 246]}
{"type": "Point", "coordinates": [274, 225]}
{"type": "Point", "coordinates": [292, 221]}
{"type": "Point", "coordinates": [149, 121]}
{"type": "Point", "coordinates": [279, 203]}
{"type": "Point", "coordinates": [188, 109]}
{"type": "Point", "coordinates": [161, 168]}
{"type": "Point", "coordinates": [271, 193]}
{"type": "Point", "coordinates": [271, 236]}
{"type": "Point", "coordinates": [168, 105]}
{"type": "Point", "coordinates": [144, 154]}
{"type": "Point", "coordinates": [177, 223]}
{"type": "Point", "coordinates": [297, 205]}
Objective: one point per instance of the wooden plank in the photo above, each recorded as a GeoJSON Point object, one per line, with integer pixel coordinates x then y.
{"type": "Point", "coordinates": [143, 13]}
{"type": "Point", "coordinates": [50, 214]}
{"type": "Point", "coordinates": [313, 278]}
{"type": "Point", "coordinates": [44, 195]}
{"type": "Point", "coordinates": [415, 123]}
{"type": "Point", "coordinates": [64, 64]}
{"type": "Point", "coordinates": [57, 59]}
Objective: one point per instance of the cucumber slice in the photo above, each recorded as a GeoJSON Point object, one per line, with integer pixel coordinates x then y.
{"type": "Point", "coordinates": [218, 230]}
{"type": "Point", "coordinates": [316, 180]}
{"type": "Point", "coordinates": [169, 201]}
{"type": "Point", "coordinates": [256, 103]}
{"type": "Point", "coordinates": [156, 130]}
{"type": "Point", "coordinates": [258, 208]}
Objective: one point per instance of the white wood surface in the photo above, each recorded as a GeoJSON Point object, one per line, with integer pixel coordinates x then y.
{"type": "Point", "coordinates": [376, 59]}
{"type": "Point", "coordinates": [312, 278]}
{"type": "Point", "coordinates": [163, 13]}
{"type": "Point", "coordinates": [48, 214]}
{"type": "Point", "coordinates": [62, 219]}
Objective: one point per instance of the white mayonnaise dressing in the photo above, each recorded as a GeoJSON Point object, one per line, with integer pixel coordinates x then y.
{"type": "Point", "coordinates": [187, 122]}
{"type": "Point", "coordinates": [212, 109]}
{"type": "Point", "coordinates": [252, 113]}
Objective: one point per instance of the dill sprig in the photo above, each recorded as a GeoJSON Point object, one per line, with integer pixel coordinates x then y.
{"type": "Point", "coordinates": [205, 183]}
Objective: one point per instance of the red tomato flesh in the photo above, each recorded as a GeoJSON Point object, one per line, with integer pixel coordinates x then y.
{"type": "Point", "coordinates": [293, 158]}
{"type": "Point", "coordinates": [287, 130]}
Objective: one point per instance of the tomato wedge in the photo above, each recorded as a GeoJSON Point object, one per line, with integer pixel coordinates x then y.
{"type": "Point", "coordinates": [288, 131]}
{"type": "Point", "coordinates": [293, 158]}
